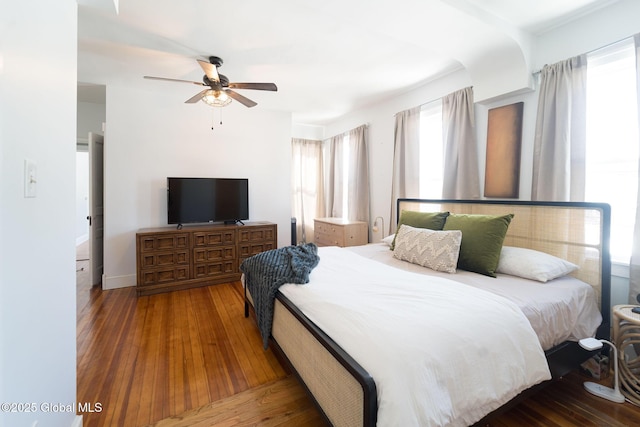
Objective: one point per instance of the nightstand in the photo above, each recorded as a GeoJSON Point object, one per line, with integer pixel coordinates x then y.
{"type": "Point", "coordinates": [340, 232]}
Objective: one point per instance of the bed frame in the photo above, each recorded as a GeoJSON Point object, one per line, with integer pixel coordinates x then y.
{"type": "Point", "coordinates": [346, 393]}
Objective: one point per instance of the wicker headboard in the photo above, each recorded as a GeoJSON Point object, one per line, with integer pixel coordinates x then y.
{"type": "Point", "coordinates": [575, 231]}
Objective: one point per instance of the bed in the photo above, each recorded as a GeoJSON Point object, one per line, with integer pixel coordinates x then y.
{"type": "Point", "coordinates": [350, 395]}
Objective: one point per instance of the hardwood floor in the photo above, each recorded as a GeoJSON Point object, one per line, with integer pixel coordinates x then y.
{"type": "Point", "coordinates": [191, 358]}
{"type": "Point", "coordinates": [566, 403]}
{"type": "Point", "coordinates": [148, 358]}
{"type": "Point", "coordinates": [280, 403]}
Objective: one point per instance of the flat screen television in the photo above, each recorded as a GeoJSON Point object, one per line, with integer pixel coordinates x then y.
{"type": "Point", "coordinates": [200, 200]}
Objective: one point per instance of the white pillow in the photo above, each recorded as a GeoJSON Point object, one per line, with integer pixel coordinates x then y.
{"type": "Point", "coordinates": [531, 264]}
{"type": "Point", "coordinates": [435, 249]}
{"type": "Point", "coordinates": [388, 240]}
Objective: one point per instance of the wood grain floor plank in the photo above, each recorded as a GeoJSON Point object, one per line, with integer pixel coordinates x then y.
{"type": "Point", "coordinates": [177, 380]}
{"type": "Point", "coordinates": [195, 368]}
{"type": "Point", "coordinates": [213, 350]}
{"type": "Point", "coordinates": [272, 404]}
{"type": "Point", "coordinates": [244, 345]}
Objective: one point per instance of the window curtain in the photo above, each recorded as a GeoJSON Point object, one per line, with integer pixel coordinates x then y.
{"type": "Point", "coordinates": [307, 185]}
{"type": "Point", "coordinates": [406, 160]}
{"type": "Point", "coordinates": [560, 135]}
{"type": "Point", "coordinates": [358, 197]}
{"type": "Point", "coordinates": [634, 265]}
{"type": "Point", "coordinates": [335, 177]}
{"type": "Point", "coordinates": [355, 169]}
{"type": "Point", "coordinates": [461, 173]}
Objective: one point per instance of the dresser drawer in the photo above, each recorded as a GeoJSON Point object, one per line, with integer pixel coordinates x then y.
{"type": "Point", "coordinates": [256, 234]}
{"type": "Point", "coordinates": [166, 242]}
{"type": "Point", "coordinates": [329, 239]}
{"type": "Point", "coordinates": [340, 232]}
{"type": "Point", "coordinates": [213, 269]}
{"type": "Point", "coordinates": [158, 276]}
{"type": "Point", "coordinates": [217, 253]}
{"type": "Point", "coordinates": [164, 259]}
{"type": "Point", "coordinates": [211, 238]}
{"type": "Point", "coordinates": [250, 249]}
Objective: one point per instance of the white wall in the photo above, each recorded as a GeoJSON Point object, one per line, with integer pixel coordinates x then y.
{"type": "Point", "coordinates": [37, 245]}
{"type": "Point", "coordinates": [312, 132]}
{"type": "Point", "coordinates": [151, 134]}
{"type": "Point", "coordinates": [605, 26]}
{"type": "Point", "coordinates": [91, 116]}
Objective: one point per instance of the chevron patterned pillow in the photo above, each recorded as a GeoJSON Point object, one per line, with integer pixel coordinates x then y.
{"type": "Point", "coordinates": [437, 250]}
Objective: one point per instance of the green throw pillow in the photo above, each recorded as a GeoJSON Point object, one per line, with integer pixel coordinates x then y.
{"type": "Point", "coordinates": [482, 238]}
{"type": "Point", "coordinates": [430, 220]}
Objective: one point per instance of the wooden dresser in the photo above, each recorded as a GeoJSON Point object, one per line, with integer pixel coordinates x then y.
{"type": "Point", "coordinates": [340, 232]}
{"type": "Point", "coordinates": [169, 259]}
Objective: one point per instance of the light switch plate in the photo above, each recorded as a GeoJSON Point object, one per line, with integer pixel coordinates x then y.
{"type": "Point", "coordinates": [30, 176]}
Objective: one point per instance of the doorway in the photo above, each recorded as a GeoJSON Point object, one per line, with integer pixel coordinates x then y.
{"type": "Point", "coordinates": [91, 117]}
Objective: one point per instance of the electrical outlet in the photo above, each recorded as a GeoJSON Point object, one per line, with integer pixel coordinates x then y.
{"type": "Point", "coordinates": [30, 178]}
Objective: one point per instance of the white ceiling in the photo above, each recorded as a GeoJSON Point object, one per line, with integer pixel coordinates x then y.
{"type": "Point", "coordinates": [327, 57]}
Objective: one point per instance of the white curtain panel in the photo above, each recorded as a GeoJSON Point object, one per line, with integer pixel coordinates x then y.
{"type": "Point", "coordinates": [307, 186]}
{"type": "Point", "coordinates": [334, 177]}
{"type": "Point", "coordinates": [357, 178]}
{"type": "Point", "coordinates": [560, 135]}
{"type": "Point", "coordinates": [358, 195]}
{"type": "Point", "coordinates": [634, 267]}
{"type": "Point", "coordinates": [461, 171]}
{"type": "Point", "coordinates": [406, 160]}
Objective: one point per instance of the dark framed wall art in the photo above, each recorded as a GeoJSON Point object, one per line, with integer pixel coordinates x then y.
{"type": "Point", "coordinates": [504, 140]}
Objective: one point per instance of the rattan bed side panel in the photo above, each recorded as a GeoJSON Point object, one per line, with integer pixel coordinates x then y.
{"type": "Point", "coordinates": [334, 388]}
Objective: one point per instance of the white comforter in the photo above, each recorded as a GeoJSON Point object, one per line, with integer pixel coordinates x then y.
{"type": "Point", "coordinates": [441, 353]}
{"type": "Point", "coordinates": [559, 310]}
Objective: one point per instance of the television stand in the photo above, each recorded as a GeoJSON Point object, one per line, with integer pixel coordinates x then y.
{"type": "Point", "coordinates": [199, 255]}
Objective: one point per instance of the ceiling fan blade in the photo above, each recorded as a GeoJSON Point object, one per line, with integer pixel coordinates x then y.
{"type": "Point", "coordinates": [210, 70]}
{"type": "Point", "coordinates": [195, 98]}
{"type": "Point", "coordinates": [241, 99]}
{"type": "Point", "coordinates": [254, 86]}
{"type": "Point", "coordinates": [174, 80]}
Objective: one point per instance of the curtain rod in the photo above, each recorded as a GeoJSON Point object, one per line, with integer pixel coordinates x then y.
{"type": "Point", "coordinates": [431, 101]}
{"type": "Point", "coordinates": [536, 72]}
{"type": "Point", "coordinates": [419, 105]}
{"type": "Point", "coordinates": [366, 125]}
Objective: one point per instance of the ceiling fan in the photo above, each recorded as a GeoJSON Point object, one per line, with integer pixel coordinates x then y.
{"type": "Point", "coordinates": [219, 91]}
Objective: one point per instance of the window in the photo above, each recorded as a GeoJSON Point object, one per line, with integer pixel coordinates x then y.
{"type": "Point", "coordinates": [431, 151]}
{"type": "Point", "coordinates": [612, 140]}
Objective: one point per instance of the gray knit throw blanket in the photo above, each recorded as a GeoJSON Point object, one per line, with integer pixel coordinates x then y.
{"type": "Point", "coordinates": [265, 272]}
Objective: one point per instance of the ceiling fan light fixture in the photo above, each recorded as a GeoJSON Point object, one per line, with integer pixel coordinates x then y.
{"type": "Point", "coordinates": [216, 98]}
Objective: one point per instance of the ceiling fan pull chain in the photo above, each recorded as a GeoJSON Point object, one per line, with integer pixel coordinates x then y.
{"type": "Point", "coordinates": [213, 117]}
